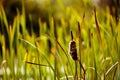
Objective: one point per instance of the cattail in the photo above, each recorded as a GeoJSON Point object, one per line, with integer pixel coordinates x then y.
{"type": "Point", "coordinates": [72, 48]}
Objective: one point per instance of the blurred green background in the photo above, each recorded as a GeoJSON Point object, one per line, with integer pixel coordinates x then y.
{"type": "Point", "coordinates": [35, 37]}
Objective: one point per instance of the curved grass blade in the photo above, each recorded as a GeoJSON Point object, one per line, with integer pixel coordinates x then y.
{"type": "Point", "coordinates": [65, 55]}
{"type": "Point", "coordinates": [111, 68]}
{"type": "Point", "coordinates": [39, 52]}
{"type": "Point", "coordinates": [98, 28]}
{"type": "Point", "coordinates": [37, 64]}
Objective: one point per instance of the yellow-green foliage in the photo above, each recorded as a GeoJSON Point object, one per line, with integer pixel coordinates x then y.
{"type": "Point", "coordinates": [35, 59]}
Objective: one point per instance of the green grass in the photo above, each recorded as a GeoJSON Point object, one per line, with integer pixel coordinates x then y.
{"type": "Point", "coordinates": [30, 57]}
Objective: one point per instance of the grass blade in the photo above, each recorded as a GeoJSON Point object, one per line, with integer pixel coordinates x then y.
{"type": "Point", "coordinates": [98, 28]}
{"type": "Point", "coordinates": [80, 45]}
{"type": "Point", "coordinates": [111, 68]}
{"type": "Point", "coordinates": [65, 55]}
{"type": "Point", "coordinates": [39, 52]}
{"type": "Point", "coordinates": [37, 64]}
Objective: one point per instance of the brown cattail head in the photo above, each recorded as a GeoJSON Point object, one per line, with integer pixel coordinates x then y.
{"type": "Point", "coordinates": [72, 48]}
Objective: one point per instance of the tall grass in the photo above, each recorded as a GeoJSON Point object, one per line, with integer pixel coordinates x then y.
{"type": "Point", "coordinates": [31, 57]}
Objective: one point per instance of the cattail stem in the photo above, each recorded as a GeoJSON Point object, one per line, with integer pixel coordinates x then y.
{"type": "Point", "coordinates": [76, 76]}
{"type": "Point", "coordinates": [84, 71]}
{"type": "Point", "coordinates": [80, 42]}
{"type": "Point", "coordinates": [71, 36]}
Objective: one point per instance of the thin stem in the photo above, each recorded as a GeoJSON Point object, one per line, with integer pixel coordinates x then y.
{"type": "Point", "coordinates": [65, 54]}
{"type": "Point", "coordinates": [38, 61]}
{"type": "Point", "coordinates": [71, 35]}
{"type": "Point", "coordinates": [76, 76]}
{"type": "Point", "coordinates": [84, 71]}
{"type": "Point", "coordinates": [37, 64]}
{"type": "Point", "coordinates": [80, 43]}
